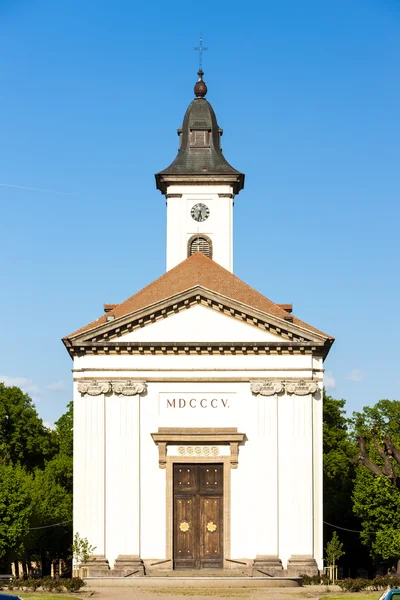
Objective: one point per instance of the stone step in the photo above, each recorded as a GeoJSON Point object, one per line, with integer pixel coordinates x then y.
{"type": "Point", "coordinates": [154, 572]}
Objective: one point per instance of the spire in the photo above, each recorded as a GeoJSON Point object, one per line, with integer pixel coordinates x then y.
{"type": "Point", "coordinates": [200, 89]}
{"type": "Point", "coordinates": [200, 157]}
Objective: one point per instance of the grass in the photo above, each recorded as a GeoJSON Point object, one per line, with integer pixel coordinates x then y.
{"type": "Point", "coordinates": [31, 596]}
{"type": "Point", "coordinates": [356, 596]}
{"type": "Point", "coordinates": [186, 591]}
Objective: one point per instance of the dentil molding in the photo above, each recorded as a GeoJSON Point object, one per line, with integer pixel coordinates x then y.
{"type": "Point", "coordinates": [120, 388]}
{"type": "Point", "coordinates": [270, 387]}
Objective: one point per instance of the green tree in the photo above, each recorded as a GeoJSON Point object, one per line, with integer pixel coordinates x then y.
{"type": "Point", "coordinates": [64, 432]}
{"type": "Point", "coordinates": [23, 437]}
{"type": "Point", "coordinates": [52, 494]}
{"type": "Point", "coordinates": [339, 471]}
{"type": "Point", "coordinates": [16, 510]}
{"type": "Point", "coordinates": [376, 493]}
{"type": "Point", "coordinates": [334, 549]}
{"type": "Point", "coordinates": [35, 482]}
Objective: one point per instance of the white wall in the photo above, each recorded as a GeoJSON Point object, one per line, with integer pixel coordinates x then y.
{"type": "Point", "coordinates": [278, 479]}
{"type": "Point", "coordinates": [218, 226]}
{"type": "Point", "coordinates": [89, 469]}
{"type": "Point", "coordinates": [201, 324]}
{"type": "Point", "coordinates": [295, 473]}
{"type": "Point", "coordinates": [122, 476]}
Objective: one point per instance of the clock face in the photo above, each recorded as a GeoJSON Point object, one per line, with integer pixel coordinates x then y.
{"type": "Point", "coordinates": [200, 212]}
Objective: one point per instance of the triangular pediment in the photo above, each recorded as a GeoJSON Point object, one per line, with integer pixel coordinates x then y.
{"type": "Point", "coordinates": [230, 309]}
{"type": "Point", "coordinates": [199, 324]}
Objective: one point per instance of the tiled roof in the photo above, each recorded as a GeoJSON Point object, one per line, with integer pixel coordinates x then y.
{"type": "Point", "coordinates": [204, 161]}
{"type": "Point", "coordinates": [197, 270]}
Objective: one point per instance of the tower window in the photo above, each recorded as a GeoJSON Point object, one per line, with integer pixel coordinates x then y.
{"type": "Point", "coordinates": [199, 138]}
{"type": "Point", "coordinates": [200, 243]}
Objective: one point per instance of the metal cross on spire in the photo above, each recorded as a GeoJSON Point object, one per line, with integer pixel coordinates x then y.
{"type": "Point", "coordinates": [200, 49]}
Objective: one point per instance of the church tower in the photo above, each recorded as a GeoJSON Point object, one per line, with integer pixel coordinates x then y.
{"type": "Point", "coordinates": [200, 186]}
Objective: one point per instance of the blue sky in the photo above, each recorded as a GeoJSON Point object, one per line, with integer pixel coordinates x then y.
{"type": "Point", "coordinates": [307, 93]}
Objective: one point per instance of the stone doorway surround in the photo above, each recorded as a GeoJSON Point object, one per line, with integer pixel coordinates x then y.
{"type": "Point", "coordinates": [198, 439]}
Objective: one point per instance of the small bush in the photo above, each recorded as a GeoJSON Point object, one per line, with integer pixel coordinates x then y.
{"type": "Point", "coordinates": [382, 582]}
{"type": "Point", "coordinates": [74, 584]}
{"type": "Point", "coordinates": [47, 584]}
{"type": "Point", "coordinates": [354, 585]}
{"type": "Point", "coordinates": [31, 584]}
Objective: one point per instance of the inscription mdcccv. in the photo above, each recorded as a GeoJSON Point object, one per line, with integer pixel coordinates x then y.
{"type": "Point", "coordinates": [217, 402]}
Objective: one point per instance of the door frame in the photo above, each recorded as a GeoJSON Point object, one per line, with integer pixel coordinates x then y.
{"type": "Point", "coordinates": [226, 538]}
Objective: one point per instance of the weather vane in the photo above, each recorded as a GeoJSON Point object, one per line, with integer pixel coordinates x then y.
{"type": "Point", "coordinates": [200, 49]}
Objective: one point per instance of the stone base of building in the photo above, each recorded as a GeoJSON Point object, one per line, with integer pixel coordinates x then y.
{"type": "Point", "coordinates": [301, 564]}
{"type": "Point", "coordinates": [268, 565]}
{"type": "Point", "coordinates": [128, 565]}
{"type": "Point", "coordinates": [97, 566]}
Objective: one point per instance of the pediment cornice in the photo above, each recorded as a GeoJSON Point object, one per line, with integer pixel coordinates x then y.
{"type": "Point", "coordinates": [107, 335]}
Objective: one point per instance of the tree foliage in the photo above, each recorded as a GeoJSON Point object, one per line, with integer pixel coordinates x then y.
{"type": "Point", "coordinates": [16, 509]}
{"type": "Point", "coordinates": [23, 437]}
{"type": "Point", "coordinates": [377, 432]}
{"type": "Point", "coordinates": [35, 482]}
{"type": "Point", "coordinates": [377, 503]}
{"type": "Point", "coordinates": [339, 471]}
{"type": "Point", "coordinates": [334, 549]}
{"type": "Point", "coordinates": [376, 492]}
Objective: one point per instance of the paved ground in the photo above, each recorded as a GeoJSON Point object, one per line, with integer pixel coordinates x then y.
{"type": "Point", "coordinates": [188, 593]}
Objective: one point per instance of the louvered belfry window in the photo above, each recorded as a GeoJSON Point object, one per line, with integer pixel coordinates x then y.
{"type": "Point", "coordinates": [200, 244]}
{"type": "Point", "coordinates": [199, 138]}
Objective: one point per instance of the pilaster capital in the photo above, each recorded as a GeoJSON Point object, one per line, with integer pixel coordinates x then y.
{"type": "Point", "coordinates": [301, 388]}
{"type": "Point", "coordinates": [128, 388]}
{"type": "Point", "coordinates": [268, 387]}
{"type": "Point", "coordinates": [94, 388]}
{"type": "Point", "coordinates": [271, 387]}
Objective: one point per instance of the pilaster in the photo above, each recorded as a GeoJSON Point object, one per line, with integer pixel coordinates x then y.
{"type": "Point", "coordinates": [89, 465]}
{"type": "Point", "coordinates": [267, 480]}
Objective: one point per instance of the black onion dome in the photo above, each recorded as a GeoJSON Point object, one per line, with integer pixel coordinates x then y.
{"type": "Point", "coordinates": [200, 152]}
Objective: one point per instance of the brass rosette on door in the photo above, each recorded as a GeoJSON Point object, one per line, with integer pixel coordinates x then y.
{"type": "Point", "coordinates": [211, 527]}
{"type": "Point", "coordinates": [184, 526]}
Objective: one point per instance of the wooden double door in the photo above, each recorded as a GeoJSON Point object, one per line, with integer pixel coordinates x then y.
{"type": "Point", "coordinates": [198, 516]}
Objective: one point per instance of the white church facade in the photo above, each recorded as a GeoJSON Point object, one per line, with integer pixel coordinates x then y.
{"type": "Point", "coordinates": [198, 401]}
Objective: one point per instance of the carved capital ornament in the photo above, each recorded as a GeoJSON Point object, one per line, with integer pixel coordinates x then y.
{"type": "Point", "coordinates": [270, 387]}
{"type": "Point", "coordinates": [121, 388]}
{"type": "Point", "coordinates": [301, 388]}
{"type": "Point", "coordinates": [128, 388]}
{"type": "Point", "coordinates": [94, 388]}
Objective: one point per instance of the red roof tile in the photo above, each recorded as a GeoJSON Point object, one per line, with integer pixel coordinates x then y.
{"type": "Point", "coordinates": [200, 270]}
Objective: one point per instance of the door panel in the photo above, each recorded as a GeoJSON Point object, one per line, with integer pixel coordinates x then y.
{"type": "Point", "coordinates": [198, 516]}
{"type": "Point", "coordinates": [185, 533]}
{"type": "Point", "coordinates": [211, 479]}
{"type": "Point", "coordinates": [210, 531]}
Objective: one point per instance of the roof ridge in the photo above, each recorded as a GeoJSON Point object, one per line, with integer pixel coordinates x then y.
{"type": "Point", "coordinates": [201, 271]}
{"type": "Point", "coordinates": [154, 281]}
{"type": "Point", "coordinates": [111, 312]}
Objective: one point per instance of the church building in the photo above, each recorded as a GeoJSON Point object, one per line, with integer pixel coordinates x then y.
{"type": "Point", "coordinates": [198, 401]}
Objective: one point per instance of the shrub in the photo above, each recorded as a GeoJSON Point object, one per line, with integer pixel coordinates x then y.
{"type": "Point", "coordinates": [354, 585]}
{"type": "Point", "coordinates": [51, 585]}
{"type": "Point", "coordinates": [74, 584]}
{"type": "Point", "coordinates": [30, 584]}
